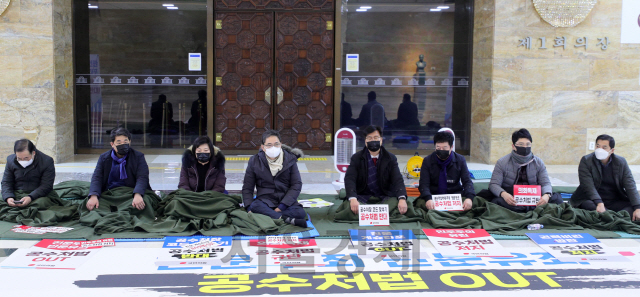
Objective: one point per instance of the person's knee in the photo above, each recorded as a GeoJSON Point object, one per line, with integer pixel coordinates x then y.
{"type": "Point", "coordinates": [588, 205]}
{"type": "Point", "coordinates": [499, 201]}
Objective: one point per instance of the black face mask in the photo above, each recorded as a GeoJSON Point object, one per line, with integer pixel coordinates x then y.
{"type": "Point", "coordinates": [203, 157]}
{"type": "Point", "coordinates": [123, 149]}
{"type": "Point", "coordinates": [442, 154]}
{"type": "Point", "coordinates": [373, 146]}
{"type": "Point", "coordinates": [523, 151]}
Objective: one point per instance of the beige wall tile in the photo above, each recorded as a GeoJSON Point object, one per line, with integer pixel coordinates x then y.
{"type": "Point", "coordinates": [556, 75]}
{"type": "Point", "coordinates": [614, 75]}
{"type": "Point", "coordinates": [484, 13]}
{"type": "Point", "coordinates": [11, 78]}
{"type": "Point", "coordinates": [629, 108]}
{"type": "Point", "coordinates": [592, 51]}
{"type": "Point", "coordinates": [482, 71]}
{"type": "Point", "coordinates": [579, 110]}
{"type": "Point", "coordinates": [508, 74]}
{"type": "Point", "coordinates": [37, 71]}
{"type": "Point", "coordinates": [483, 43]}
{"type": "Point", "coordinates": [12, 13]}
{"type": "Point", "coordinates": [510, 13]}
{"type": "Point", "coordinates": [518, 109]}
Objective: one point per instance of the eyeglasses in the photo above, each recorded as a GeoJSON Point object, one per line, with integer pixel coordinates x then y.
{"type": "Point", "coordinates": [522, 144]}
{"type": "Point", "coordinates": [277, 144]}
{"type": "Point", "coordinates": [374, 138]}
{"type": "Point", "coordinates": [122, 142]}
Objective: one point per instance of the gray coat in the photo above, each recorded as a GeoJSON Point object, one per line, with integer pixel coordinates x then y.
{"type": "Point", "coordinates": [590, 174]}
{"type": "Point", "coordinates": [507, 170]}
{"type": "Point", "coordinates": [37, 179]}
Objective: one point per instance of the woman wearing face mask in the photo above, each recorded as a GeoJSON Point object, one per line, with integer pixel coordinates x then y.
{"type": "Point", "coordinates": [606, 182]}
{"type": "Point", "coordinates": [203, 167]}
{"type": "Point", "coordinates": [274, 173]}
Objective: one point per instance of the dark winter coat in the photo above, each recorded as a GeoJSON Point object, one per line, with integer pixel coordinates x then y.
{"type": "Point", "coordinates": [458, 177]}
{"type": "Point", "coordinates": [283, 188]}
{"type": "Point", "coordinates": [390, 179]}
{"type": "Point", "coordinates": [37, 178]}
{"type": "Point", "coordinates": [137, 173]}
{"type": "Point", "coordinates": [215, 179]}
{"type": "Point", "coordinates": [590, 174]}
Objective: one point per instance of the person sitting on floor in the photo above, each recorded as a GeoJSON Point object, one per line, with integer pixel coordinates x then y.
{"type": "Point", "coordinates": [29, 170]}
{"type": "Point", "coordinates": [445, 172]}
{"type": "Point", "coordinates": [520, 167]}
{"type": "Point", "coordinates": [120, 167]}
{"type": "Point", "coordinates": [374, 172]}
{"type": "Point", "coordinates": [606, 182]}
{"type": "Point", "coordinates": [274, 173]}
{"type": "Point", "coordinates": [203, 167]}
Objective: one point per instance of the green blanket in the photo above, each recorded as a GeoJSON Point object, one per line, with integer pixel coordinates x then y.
{"type": "Point", "coordinates": [115, 212]}
{"type": "Point", "coordinates": [44, 211]}
{"type": "Point", "coordinates": [212, 213]}
{"type": "Point", "coordinates": [345, 215]}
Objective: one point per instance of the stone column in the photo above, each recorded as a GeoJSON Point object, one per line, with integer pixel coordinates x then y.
{"type": "Point", "coordinates": [36, 60]}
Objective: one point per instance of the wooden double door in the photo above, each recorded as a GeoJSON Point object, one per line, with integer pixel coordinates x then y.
{"type": "Point", "coordinates": [274, 70]}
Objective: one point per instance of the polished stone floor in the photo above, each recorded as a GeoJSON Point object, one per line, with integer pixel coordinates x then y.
{"type": "Point", "coordinates": [317, 173]}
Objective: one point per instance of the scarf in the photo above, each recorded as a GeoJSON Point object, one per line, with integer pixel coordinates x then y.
{"type": "Point", "coordinates": [122, 162]}
{"type": "Point", "coordinates": [442, 179]}
{"type": "Point", "coordinates": [521, 160]}
{"type": "Point", "coordinates": [275, 165]}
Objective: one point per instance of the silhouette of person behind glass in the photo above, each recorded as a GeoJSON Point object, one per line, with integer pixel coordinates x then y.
{"type": "Point", "coordinates": [161, 122]}
{"type": "Point", "coordinates": [346, 113]}
{"type": "Point", "coordinates": [407, 113]}
{"type": "Point", "coordinates": [365, 118]}
{"type": "Point", "coordinates": [198, 122]}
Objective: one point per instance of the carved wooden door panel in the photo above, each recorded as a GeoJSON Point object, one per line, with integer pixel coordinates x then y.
{"type": "Point", "coordinates": [244, 71]}
{"type": "Point", "coordinates": [304, 64]}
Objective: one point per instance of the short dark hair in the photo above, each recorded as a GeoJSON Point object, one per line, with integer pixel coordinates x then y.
{"type": "Point", "coordinates": [270, 133]}
{"type": "Point", "coordinates": [372, 96]}
{"type": "Point", "coordinates": [406, 98]}
{"type": "Point", "coordinates": [612, 142]}
{"type": "Point", "coordinates": [120, 131]}
{"type": "Point", "coordinates": [202, 94]}
{"type": "Point", "coordinates": [200, 141]}
{"type": "Point", "coordinates": [370, 129]}
{"type": "Point", "coordinates": [522, 133]}
{"type": "Point", "coordinates": [24, 144]}
{"type": "Point", "coordinates": [443, 136]}
{"type": "Point", "coordinates": [162, 97]}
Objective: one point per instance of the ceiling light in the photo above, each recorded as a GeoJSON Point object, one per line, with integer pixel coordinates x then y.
{"type": "Point", "coordinates": [361, 9]}
{"type": "Point", "coordinates": [172, 7]}
{"type": "Point", "coordinates": [167, 5]}
{"type": "Point", "coordinates": [435, 9]}
{"type": "Point", "coordinates": [93, 6]}
{"type": "Point", "coordinates": [365, 7]}
{"type": "Point", "coordinates": [443, 7]}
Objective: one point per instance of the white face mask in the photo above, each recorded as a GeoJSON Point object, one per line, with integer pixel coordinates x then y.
{"type": "Point", "coordinates": [273, 152]}
{"type": "Point", "coordinates": [601, 154]}
{"type": "Point", "coordinates": [24, 164]}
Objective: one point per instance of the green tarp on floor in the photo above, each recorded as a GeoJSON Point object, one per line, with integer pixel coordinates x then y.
{"type": "Point", "coordinates": [184, 213]}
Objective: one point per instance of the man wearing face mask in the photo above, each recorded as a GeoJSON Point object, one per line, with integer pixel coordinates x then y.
{"type": "Point", "coordinates": [121, 166]}
{"type": "Point", "coordinates": [606, 182]}
{"type": "Point", "coordinates": [520, 167]}
{"type": "Point", "coordinates": [274, 173]}
{"type": "Point", "coordinates": [29, 170]}
{"type": "Point", "coordinates": [203, 167]}
{"type": "Point", "coordinates": [373, 175]}
{"type": "Point", "coordinates": [444, 172]}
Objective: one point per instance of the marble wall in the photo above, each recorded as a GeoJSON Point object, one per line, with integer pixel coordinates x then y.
{"type": "Point", "coordinates": [35, 61]}
{"type": "Point", "coordinates": [565, 97]}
